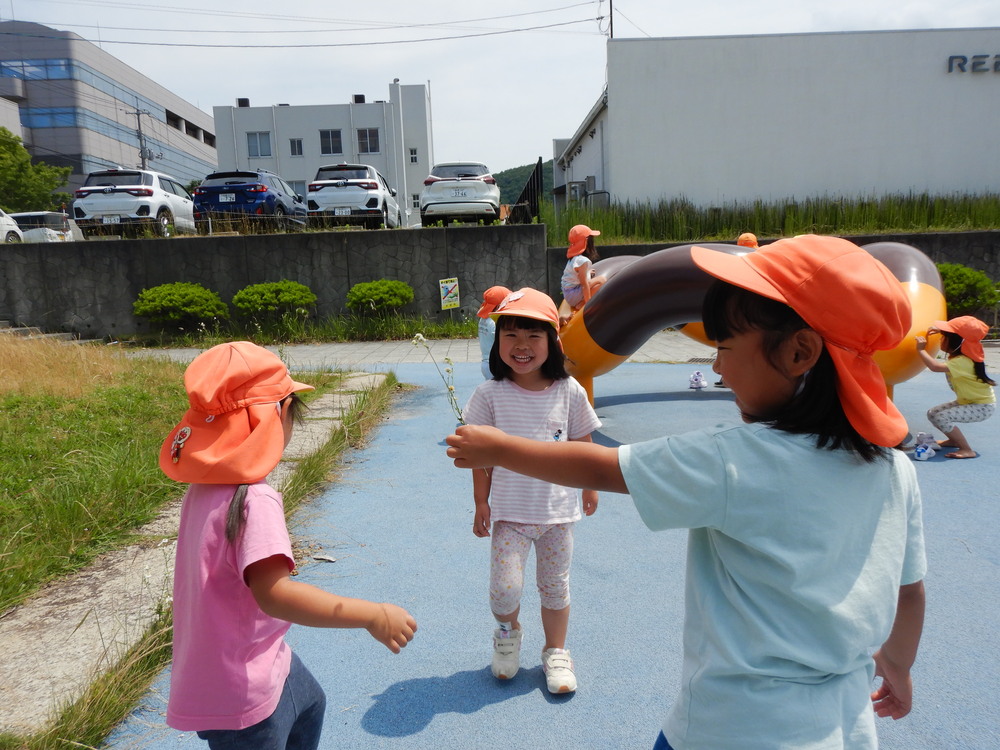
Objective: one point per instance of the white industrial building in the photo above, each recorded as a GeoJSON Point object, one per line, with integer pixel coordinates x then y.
{"type": "Point", "coordinates": [731, 120]}
{"type": "Point", "coordinates": [394, 136]}
{"type": "Point", "coordinates": [75, 105]}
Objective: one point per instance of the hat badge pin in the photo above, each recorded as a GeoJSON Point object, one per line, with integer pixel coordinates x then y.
{"type": "Point", "coordinates": [512, 297]}
{"type": "Point", "coordinates": [179, 439]}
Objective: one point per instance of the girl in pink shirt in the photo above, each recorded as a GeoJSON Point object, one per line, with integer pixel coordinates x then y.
{"type": "Point", "coordinates": [234, 680]}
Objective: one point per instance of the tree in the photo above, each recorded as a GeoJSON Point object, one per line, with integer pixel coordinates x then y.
{"type": "Point", "coordinates": [24, 185]}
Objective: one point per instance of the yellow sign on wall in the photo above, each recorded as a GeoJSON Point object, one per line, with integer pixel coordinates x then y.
{"type": "Point", "coordinates": [449, 293]}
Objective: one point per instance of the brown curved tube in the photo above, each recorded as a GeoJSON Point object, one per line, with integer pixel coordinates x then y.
{"type": "Point", "coordinates": [665, 289]}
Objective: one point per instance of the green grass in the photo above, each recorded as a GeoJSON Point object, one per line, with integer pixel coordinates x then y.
{"type": "Point", "coordinates": [80, 432]}
{"type": "Point", "coordinates": [679, 221]}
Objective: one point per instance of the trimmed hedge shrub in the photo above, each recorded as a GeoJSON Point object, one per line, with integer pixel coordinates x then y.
{"type": "Point", "coordinates": [379, 297]}
{"type": "Point", "coordinates": [966, 290]}
{"type": "Point", "coordinates": [181, 303]}
{"type": "Point", "coordinates": [275, 298]}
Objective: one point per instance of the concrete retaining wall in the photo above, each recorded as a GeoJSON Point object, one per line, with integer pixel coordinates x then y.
{"type": "Point", "coordinates": [88, 287]}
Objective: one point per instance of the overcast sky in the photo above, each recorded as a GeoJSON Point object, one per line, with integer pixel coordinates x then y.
{"type": "Point", "coordinates": [505, 78]}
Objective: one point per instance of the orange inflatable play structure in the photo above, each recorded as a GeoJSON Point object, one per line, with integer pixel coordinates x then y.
{"type": "Point", "coordinates": [645, 294]}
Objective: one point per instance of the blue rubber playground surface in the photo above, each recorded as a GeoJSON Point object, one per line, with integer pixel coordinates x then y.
{"type": "Point", "coordinates": [398, 520]}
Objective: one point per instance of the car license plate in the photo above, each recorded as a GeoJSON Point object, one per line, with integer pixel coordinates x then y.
{"type": "Point", "coordinates": [227, 197]}
{"type": "Point", "coordinates": [341, 212]}
{"type": "Point", "coordinates": [459, 193]}
{"type": "Point", "coordinates": [111, 219]}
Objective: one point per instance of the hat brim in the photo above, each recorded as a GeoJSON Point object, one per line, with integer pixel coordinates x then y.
{"type": "Point", "coordinates": [735, 268]}
{"type": "Point", "coordinates": [527, 314]}
{"type": "Point", "coordinates": [485, 310]}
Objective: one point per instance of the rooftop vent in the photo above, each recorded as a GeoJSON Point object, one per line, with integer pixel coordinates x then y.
{"type": "Point", "coordinates": [359, 99]}
{"type": "Point", "coordinates": [242, 102]}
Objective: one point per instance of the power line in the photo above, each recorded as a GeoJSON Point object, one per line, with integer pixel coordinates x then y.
{"type": "Point", "coordinates": [307, 46]}
{"type": "Point", "coordinates": [377, 27]}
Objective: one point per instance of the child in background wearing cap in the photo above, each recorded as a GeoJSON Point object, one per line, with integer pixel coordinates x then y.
{"type": "Point", "coordinates": [975, 400]}
{"type": "Point", "coordinates": [578, 281]}
{"type": "Point", "coordinates": [805, 551]}
{"type": "Point", "coordinates": [530, 395]}
{"type": "Point", "coordinates": [234, 679]}
{"type": "Point", "coordinates": [487, 326]}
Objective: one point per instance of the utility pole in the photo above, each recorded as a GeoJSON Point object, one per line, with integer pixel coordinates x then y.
{"type": "Point", "coordinates": [611, 19]}
{"type": "Point", "coordinates": [144, 153]}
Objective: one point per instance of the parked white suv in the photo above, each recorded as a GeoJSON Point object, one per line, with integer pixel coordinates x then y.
{"type": "Point", "coordinates": [463, 191]}
{"type": "Point", "coordinates": [120, 201]}
{"type": "Point", "coordinates": [352, 194]}
{"type": "Point", "coordinates": [45, 226]}
{"type": "Point", "coordinates": [9, 230]}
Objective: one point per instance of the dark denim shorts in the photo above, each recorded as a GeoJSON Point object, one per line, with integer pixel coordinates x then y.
{"type": "Point", "coordinates": [296, 723]}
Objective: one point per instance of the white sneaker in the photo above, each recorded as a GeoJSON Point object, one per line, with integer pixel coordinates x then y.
{"type": "Point", "coordinates": [506, 653]}
{"type": "Point", "coordinates": [558, 668]}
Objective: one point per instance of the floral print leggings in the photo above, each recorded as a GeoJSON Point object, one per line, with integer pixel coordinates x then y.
{"type": "Point", "coordinates": [509, 552]}
{"type": "Point", "coordinates": [944, 416]}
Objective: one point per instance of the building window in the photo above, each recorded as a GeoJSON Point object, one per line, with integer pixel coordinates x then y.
{"type": "Point", "coordinates": [368, 141]}
{"type": "Point", "coordinates": [330, 143]}
{"type": "Point", "coordinates": [295, 146]}
{"type": "Point", "coordinates": [413, 156]}
{"type": "Point", "coordinates": [258, 145]}
{"type": "Point", "coordinates": [298, 186]}
{"type": "Point", "coordinates": [415, 200]}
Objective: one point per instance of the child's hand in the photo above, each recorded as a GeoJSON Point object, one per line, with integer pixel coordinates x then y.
{"type": "Point", "coordinates": [393, 627]}
{"type": "Point", "coordinates": [921, 343]}
{"type": "Point", "coordinates": [481, 523]}
{"type": "Point", "coordinates": [472, 446]}
{"type": "Point", "coordinates": [589, 502]}
{"type": "Point", "coordinates": [894, 697]}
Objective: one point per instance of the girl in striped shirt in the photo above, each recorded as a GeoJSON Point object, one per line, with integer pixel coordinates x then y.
{"type": "Point", "coordinates": [533, 396]}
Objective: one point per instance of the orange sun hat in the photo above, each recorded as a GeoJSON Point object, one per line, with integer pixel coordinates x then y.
{"type": "Point", "coordinates": [849, 298]}
{"type": "Point", "coordinates": [972, 330]}
{"type": "Point", "coordinates": [578, 237]}
{"type": "Point", "coordinates": [529, 303]}
{"type": "Point", "coordinates": [747, 239]}
{"type": "Point", "coordinates": [491, 298]}
{"type": "Point", "coordinates": [232, 432]}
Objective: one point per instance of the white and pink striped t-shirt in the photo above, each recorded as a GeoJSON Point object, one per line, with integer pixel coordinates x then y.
{"type": "Point", "coordinates": [560, 412]}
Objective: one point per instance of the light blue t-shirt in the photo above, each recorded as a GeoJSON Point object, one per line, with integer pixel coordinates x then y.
{"type": "Point", "coordinates": [795, 558]}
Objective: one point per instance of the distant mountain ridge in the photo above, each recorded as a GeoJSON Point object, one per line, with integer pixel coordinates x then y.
{"type": "Point", "coordinates": [512, 181]}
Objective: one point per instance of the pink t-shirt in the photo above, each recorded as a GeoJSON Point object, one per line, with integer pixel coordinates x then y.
{"type": "Point", "coordinates": [230, 659]}
{"type": "Point", "coordinates": [560, 412]}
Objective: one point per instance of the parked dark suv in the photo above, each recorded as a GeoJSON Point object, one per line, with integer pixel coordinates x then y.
{"type": "Point", "coordinates": [235, 197]}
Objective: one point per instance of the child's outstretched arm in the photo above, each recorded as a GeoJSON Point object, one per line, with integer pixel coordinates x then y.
{"type": "Point", "coordinates": [894, 697]}
{"type": "Point", "coordinates": [935, 365]}
{"type": "Point", "coordinates": [571, 463]}
{"type": "Point", "coordinates": [304, 604]}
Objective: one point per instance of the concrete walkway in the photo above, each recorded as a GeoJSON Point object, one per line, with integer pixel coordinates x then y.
{"type": "Point", "coordinates": [398, 525]}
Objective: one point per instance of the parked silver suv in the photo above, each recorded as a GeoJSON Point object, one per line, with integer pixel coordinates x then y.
{"type": "Point", "coordinates": [352, 194]}
{"type": "Point", "coordinates": [120, 201]}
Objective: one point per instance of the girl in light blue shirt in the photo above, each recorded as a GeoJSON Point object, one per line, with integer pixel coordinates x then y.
{"type": "Point", "coordinates": [805, 551]}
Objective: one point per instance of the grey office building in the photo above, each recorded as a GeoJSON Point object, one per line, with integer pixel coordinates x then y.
{"type": "Point", "coordinates": [81, 107]}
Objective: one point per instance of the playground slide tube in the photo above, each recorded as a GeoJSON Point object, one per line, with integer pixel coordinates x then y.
{"type": "Point", "coordinates": [666, 289]}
